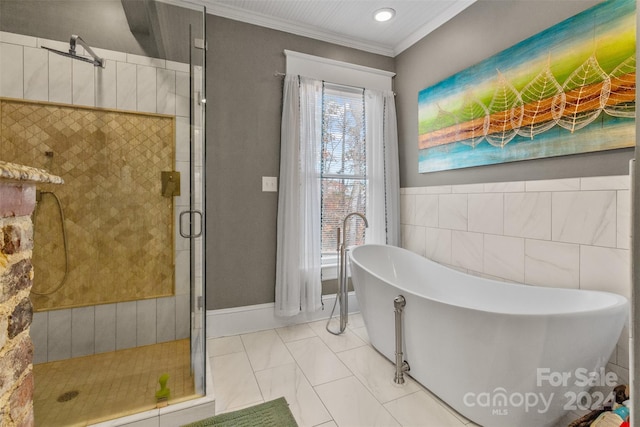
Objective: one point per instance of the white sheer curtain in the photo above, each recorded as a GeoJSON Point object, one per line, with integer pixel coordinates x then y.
{"type": "Point", "coordinates": [298, 257]}
{"type": "Point", "coordinates": [383, 189]}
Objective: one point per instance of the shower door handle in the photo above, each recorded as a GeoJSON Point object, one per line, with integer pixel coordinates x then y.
{"type": "Point", "coordinates": [189, 235]}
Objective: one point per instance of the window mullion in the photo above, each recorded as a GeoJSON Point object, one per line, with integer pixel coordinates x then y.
{"type": "Point", "coordinates": [341, 176]}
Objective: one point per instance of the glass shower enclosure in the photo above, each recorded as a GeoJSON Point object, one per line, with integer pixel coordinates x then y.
{"type": "Point", "coordinates": [118, 290]}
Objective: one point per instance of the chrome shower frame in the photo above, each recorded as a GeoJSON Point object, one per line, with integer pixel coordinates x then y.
{"type": "Point", "coordinates": [75, 40]}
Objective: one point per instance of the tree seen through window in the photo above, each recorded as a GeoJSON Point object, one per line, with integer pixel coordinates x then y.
{"type": "Point", "coordinates": [343, 168]}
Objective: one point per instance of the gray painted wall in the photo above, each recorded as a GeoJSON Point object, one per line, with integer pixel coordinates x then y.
{"type": "Point", "coordinates": [244, 102]}
{"type": "Point", "coordinates": [482, 30]}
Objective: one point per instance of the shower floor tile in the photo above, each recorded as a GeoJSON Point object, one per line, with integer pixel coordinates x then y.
{"type": "Point", "coordinates": [110, 385]}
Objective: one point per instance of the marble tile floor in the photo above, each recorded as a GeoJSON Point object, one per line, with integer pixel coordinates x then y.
{"type": "Point", "coordinates": [328, 380]}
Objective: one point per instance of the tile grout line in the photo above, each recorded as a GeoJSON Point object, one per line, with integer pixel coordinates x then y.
{"type": "Point", "coordinates": [299, 368]}
{"type": "Point", "coordinates": [351, 328]}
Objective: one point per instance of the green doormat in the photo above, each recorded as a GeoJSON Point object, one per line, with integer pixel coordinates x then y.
{"type": "Point", "coordinates": [275, 413]}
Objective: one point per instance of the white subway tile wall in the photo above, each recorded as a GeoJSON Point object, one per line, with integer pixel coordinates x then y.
{"type": "Point", "coordinates": [106, 94]}
{"type": "Point", "coordinates": [36, 74]}
{"type": "Point", "coordinates": [126, 332]}
{"type": "Point", "coordinates": [59, 335]}
{"type": "Point", "coordinates": [146, 89]}
{"type": "Point", "coordinates": [83, 84]}
{"type": "Point", "coordinates": [105, 328]}
{"type": "Point", "coordinates": [146, 322]}
{"type": "Point", "coordinates": [567, 233]}
{"type": "Point", "coordinates": [132, 83]}
{"type": "Point", "coordinates": [82, 331]}
{"type": "Point", "coordinates": [59, 79]}
{"type": "Point", "coordinates": [12, 71]}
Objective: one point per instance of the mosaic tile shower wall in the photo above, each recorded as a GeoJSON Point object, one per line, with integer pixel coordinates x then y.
{"type": "Point", "coordinates": [119, 226]}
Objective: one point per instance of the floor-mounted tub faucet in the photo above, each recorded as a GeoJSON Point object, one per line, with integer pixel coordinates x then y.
{"type": "Point", "coordinates": [343, 291]}
{"type": "Point", "coordinates": [402, 365]}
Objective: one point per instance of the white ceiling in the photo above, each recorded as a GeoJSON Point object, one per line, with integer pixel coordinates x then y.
{"type": "Point", "coordinates": [345, 22]}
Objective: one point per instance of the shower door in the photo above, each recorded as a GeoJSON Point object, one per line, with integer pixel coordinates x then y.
{"type": "Point", "coordinates": [118, 248]}
{"type": "Point", "coordinates": [192, 220]}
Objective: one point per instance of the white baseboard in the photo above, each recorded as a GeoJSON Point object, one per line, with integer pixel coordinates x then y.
{"type": "Point", "coordinates": [253, 318]}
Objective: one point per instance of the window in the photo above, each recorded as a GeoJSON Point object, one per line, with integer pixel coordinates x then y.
{"type": "Point", "coordinates": [323, 136]}
{"type": "Point", "coordinates": [343, 166]}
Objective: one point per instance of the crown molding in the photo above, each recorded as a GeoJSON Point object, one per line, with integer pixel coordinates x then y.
{"type": "Point", "coordinates": [442, 18]}
{"type": "Point", "coordinates": [187, 4]}
{"type": "Point", "coordinates": [262, 20]}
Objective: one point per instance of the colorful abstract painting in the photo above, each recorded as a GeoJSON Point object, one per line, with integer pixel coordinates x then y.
{"type": "Point", "coordinates": [569, 89]}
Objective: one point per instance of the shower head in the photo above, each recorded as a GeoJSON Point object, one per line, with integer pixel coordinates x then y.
{"type": "Point", "coordinates": [96, 61]}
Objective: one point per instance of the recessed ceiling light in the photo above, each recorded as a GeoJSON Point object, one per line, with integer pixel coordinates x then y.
{"type": "Point", "coordinates": [383, 15]}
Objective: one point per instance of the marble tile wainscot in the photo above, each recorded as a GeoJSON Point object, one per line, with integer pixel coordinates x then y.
{"type": "Point", "coordinates": [17, 201]}
{"type": "Point", "coordinates": [570, 233]}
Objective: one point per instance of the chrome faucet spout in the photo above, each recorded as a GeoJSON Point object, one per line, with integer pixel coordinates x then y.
{"type": "Point", "coordinates": [344, 225]}
{"type": "Point", "coordinates": [343, 294]}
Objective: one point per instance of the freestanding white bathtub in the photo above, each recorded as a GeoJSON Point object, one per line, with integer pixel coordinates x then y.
{"type": "Point", "coordinates": [504, 355]}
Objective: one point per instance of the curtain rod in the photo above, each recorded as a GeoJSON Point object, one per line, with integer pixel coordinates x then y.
{"type": "Point", "coordinates": [279, 74]}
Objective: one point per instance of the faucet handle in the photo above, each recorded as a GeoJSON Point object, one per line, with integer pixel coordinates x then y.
{"type": "Point", "coordinates": [338, 240]}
